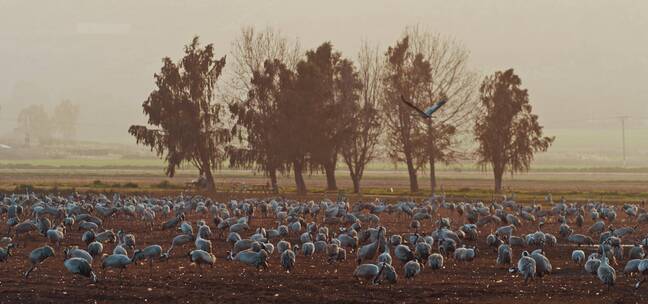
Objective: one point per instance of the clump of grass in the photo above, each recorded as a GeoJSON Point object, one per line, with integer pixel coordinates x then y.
{"type": "Point", "coordinates": [165, 184]}
{"type": "Point", "coordinates": [22, 188]}
{"type": "Point", "coordinates": [98, 184]}
{"type": "Point", "coordinates": [130, 185]}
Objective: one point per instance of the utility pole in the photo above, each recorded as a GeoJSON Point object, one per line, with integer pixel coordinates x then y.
{"type": "Point", "coordinates": [623, 140]}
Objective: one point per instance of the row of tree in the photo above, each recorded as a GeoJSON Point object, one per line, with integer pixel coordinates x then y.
{"type": "Point", "coordinates": [35, 122]}
{"type": "Point", "coordinates": [282, 110]}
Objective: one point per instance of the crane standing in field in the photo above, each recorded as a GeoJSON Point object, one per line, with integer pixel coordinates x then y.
{"type": "Point", "coordinates": [254, 246]}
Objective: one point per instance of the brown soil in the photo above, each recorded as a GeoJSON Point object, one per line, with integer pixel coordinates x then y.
{"type": "Point", "coordinates": [314, 280]}
{"type": "Point", "coordinates": [541, 182]}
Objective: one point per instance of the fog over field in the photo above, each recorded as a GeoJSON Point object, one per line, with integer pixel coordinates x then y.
{"type": "Point", "coordinates": [332, 151]}
{"type": "Point", "coordinates": [583, 62]}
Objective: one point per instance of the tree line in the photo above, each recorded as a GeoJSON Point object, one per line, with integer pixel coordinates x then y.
{"type": "Point", "coordinates": [36, 123]}
{"type": "Point", "coordinates": [281, 110]}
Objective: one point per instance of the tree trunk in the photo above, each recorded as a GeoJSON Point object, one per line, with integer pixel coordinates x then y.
{"type": "Point", "coordinates": [329, 169]}
{"type": "Point", "coordinates": [204, 167]}
{"type": "Point", "coordinates": [432, 175]}
{"type": "Point", "coordinates": [273, 181]}
{"type": "Point", "coordinates": [355, 172]}
{"type": "Point", "coordinates": [356, 183]}
{"type": "Point", "coordinates": [432, 160]}
{"type": "Point", "coordinates": [497, 172]}
{"type": "Point", "coordinates": [299, 177]}
{"type": "Point", "coordinates": [411, 170]}
{"type": "Point", "coordinates": [211, 185]}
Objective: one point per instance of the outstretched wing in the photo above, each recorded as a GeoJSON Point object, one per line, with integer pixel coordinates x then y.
{"type": "Point", "coordinates": [433, 108]}
{"type": "Point", "coordinates": [409, 104]}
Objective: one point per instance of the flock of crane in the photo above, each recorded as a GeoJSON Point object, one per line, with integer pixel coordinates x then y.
{"type": "Point", "coordinates": [334, 230]}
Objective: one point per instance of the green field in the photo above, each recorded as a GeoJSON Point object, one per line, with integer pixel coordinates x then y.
{"type": "Point", "coordinates": [582, 164]}
{"type": "Point", "coordinates": [573, 149]}
{"type": "Point", "coordinates": [82, 163]}
{"type": "Point", "coordinates": [531, 186]}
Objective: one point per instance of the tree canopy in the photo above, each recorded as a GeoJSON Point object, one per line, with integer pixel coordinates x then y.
{"type": "Point", "coordinates": [257, 122]}
{"type": "Point", "coordinates": [293, 112]}
{"type": "Point", "coordinates": [507, 132]}
{"type": "Point", "coordinates": [184, 120]}
{"type": "Point", "coordinates": [66, 116]}
{"type": "Point", "coordinates": [365, 91]}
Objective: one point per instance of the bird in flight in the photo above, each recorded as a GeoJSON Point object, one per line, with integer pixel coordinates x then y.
{"type": "Point", "coordinates": [427, 113]}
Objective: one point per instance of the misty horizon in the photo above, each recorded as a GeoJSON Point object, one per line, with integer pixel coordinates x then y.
{"type": "Point", "coordinates": [583, 62]}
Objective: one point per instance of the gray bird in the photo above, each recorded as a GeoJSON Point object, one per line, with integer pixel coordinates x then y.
{"type": "Point", "coordinates": [37, 256]}
{"type": "Point", "coordinates": [427, 113]}
{"type": "Point", "coordinates": [81, 267]}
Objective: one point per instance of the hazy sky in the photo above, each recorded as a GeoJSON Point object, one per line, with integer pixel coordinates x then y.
{"type": "Point", "coordinates": [579, 59]}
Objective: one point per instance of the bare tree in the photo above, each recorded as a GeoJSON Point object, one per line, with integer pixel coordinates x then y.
{"type": "Point", "coordinates": [407, 75]}
{"type": "Point", "coordinates": [450, 78]}
{"type": "Point", "coordinates": [249, 53]}
{"type": "Point", "coordinates": [366, 126]}
{"type": "Point", "coordinates": [507, 132]}
{"type": "Point", "coordinates": [422, 68]}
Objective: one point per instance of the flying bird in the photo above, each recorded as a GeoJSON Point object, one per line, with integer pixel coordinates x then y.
{"type": "Point", "coordinates": [427, 114]}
